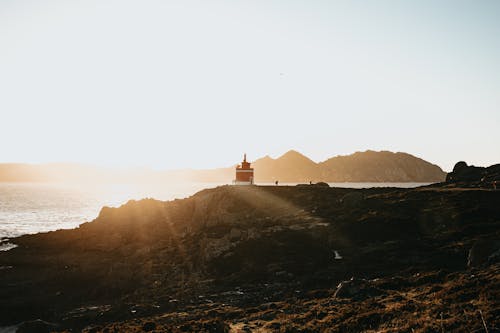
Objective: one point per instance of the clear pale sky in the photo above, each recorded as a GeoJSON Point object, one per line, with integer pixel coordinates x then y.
{"type": "Point", "coordinates": [174, 84]}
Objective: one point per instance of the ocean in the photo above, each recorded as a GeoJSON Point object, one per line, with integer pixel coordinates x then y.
{"type": "Point", "coordinates": [27, 208]}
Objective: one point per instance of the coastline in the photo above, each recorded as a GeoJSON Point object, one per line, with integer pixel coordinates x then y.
{"type": "Point", "coordinates": [50, 207]}
{"type": "Point", "coordinates": [218, 249]}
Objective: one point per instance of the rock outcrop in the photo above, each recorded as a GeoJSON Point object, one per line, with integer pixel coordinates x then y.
{"type": "Point", "coordinates": [472, 176]}
{"type": "Point", "coordinates": [238, 258]}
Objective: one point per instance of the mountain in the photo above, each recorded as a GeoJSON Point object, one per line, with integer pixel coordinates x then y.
{"type": "Point", "coordinates": [368, 166]}
{"type": "Point", "coordinates": [293, 167]}
{"type": "Point", "coordinates": [383, 166]}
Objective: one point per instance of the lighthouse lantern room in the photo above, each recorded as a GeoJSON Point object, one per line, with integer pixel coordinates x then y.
{"type": "Point", "coordinates": [244, 173]}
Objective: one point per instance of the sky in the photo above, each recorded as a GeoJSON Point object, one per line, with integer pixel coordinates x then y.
{"type": "Point", "coordinates": [195, 84]}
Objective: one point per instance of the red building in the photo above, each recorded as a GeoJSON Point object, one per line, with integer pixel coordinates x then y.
{"type": "Point", "coordinates": [244, 173]}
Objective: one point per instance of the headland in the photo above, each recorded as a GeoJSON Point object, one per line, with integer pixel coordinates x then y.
{"type": "Point", "coordinates": [271, 258]}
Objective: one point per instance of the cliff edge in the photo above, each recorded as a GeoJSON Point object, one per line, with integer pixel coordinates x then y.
{"type": "Point", "coordinates": [291, 258]}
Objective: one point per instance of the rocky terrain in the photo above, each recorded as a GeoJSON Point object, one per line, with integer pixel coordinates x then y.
{"type": "Point", "coordinates": [464, 175]}
{"type": "Point", "coordinates": [267, 259]}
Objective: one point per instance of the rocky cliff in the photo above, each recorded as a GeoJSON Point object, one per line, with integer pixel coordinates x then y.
{"type": "Point", "coordinates": [293, 259]}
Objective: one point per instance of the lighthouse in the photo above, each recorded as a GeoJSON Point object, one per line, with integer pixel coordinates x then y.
{"type": "Point", "coordinates": [244, 173]}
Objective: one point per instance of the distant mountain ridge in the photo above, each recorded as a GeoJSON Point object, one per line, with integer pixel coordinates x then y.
{"type": "Point", "coordinates": [368, 166]}
{"type": "Point", "coordinates": [293, 167]}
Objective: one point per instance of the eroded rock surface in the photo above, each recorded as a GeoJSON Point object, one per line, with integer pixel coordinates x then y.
{"type": "Point", "coordinates": [263, 258]}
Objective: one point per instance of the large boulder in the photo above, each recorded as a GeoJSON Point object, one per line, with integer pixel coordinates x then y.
{"type": "Point", "coordinates": [475, 176]}
{"type": "Point", "coordinates": [465, 173]}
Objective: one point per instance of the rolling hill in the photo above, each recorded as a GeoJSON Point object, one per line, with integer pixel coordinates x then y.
{"type": "Point", "coordinates": [293, 167]}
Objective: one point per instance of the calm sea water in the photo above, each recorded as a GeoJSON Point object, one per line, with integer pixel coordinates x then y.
{"type": "Point", "coordinates": [27, 208]}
